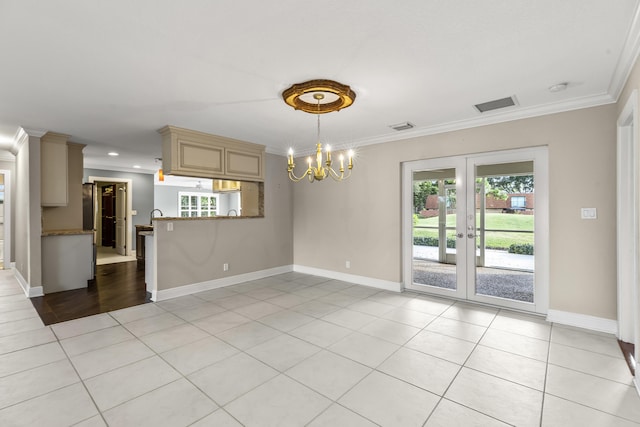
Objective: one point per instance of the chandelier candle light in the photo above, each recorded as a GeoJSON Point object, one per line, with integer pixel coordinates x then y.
{"type": "Point", "coordinates": [329, 96]}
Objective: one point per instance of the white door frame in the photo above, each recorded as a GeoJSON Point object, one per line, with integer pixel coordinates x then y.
{"type": "Point", "coordinates": [121, 216]}
{"type": "Point", "coordinates": [627, 219]}
{"type": "Point", "coordinates": [459, 164]}
{"type": "Point", "coordinates": [7, 218]}
{"type": "Point", "coordinates": [129, 190]}
{"type": "Point", "coordinates": [541, 284]}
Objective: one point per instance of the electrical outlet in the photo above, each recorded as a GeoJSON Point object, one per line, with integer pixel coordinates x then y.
{"type": "Point", "coordinates": [225, 266]}
{"type": "Point", "coordinates": [169, 226]}
{"type": "Point", "coordinates": [348, 264]}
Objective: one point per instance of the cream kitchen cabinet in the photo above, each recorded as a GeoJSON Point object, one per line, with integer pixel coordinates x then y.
{"type": "Point", "coordinates": [190, 153]}
{"type": "Point", "coordinates": [54, 181]}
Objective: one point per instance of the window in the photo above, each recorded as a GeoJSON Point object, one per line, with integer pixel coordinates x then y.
{"type": "Point", "coordinates": [518, 202]}
{"type": "Point", "coordinates": [197, 204]}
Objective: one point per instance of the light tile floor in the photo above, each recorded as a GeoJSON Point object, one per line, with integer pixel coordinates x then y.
{"type": "Point", "coordinates": [297, 350]}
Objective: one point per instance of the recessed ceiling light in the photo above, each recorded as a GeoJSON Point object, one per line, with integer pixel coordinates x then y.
{"type": "Point", "coordinates": [558, 87]}
{"type": "Point", "coordinates": [136, 166]}
{"type": "Point", "coordinates": [113, 153]}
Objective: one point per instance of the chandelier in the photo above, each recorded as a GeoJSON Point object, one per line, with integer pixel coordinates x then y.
{"type": "Point", "coordinates": [319, 97]}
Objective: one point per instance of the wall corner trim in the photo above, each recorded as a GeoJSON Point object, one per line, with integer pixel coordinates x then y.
{"type": "Point", "coordinates": [584, 321]}
{"type": "Point", "coordinates": [193, 288]}
{"type": "Point", "coordinates": [387, 285]}
{"type": "Point", "coordinates": [29, 291]}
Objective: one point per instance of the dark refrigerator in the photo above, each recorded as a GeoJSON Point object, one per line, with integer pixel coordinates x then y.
{"type": "Point", "coordinates": [88, 216]}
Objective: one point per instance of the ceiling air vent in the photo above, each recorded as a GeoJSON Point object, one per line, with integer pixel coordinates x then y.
{"type": "Point", "coordinates": [402, 126]}
{"type": "Point", "coordinates": [496, 104]}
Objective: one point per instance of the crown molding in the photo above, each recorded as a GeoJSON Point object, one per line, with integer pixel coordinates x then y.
{"type": "Point", "coordinates": [627, 58]}
{"type": "Point", "coordinates": [495, 118]}
{"type": "Point", "coordinates": [38, 133]}
{"type": "Point", "coordinates": [484, 120]}
{"type": "Point", "coordinates": [22, 136]}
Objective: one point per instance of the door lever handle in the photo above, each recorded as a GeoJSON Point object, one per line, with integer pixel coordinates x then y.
{"type": "Point", "coordinates": [471, 235]}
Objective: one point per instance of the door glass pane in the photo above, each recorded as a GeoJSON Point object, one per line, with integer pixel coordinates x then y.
{"type": "Point", "coordinates": [504, 219]}
{"type": "Point", "coordinates": [434, 228]}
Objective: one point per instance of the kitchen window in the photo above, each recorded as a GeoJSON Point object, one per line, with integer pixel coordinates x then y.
{"type": "Point", "coordinates": [197, 204]}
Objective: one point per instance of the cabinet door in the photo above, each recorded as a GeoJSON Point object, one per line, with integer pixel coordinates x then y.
{"type": "Point", "coordinates": [54, 173]}
{"type": "Point", "coordinates": [198, 158]}
{"type": "Point", "coordinates": [244, 164]}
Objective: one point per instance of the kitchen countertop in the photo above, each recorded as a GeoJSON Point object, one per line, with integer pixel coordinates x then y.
{"type": "Point", "coordinates": [204, 218]}
{"type": "Point", "coordinates": [65, 232]}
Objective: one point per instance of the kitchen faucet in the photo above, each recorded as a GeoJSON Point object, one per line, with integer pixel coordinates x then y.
{"type": "Point", "coordinates": [234, 211]}
{"type": "Point", "coordinates": [151, 215]}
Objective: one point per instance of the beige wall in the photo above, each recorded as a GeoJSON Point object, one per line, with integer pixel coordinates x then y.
{"type": "Point", "coordinates": [195, 250]}
{"type": "Point", "coordinates": [27, 219]}
{"type": "Point", "coordinates": [360, 220]}
{"type": "Point", "coordinates": [68, 217]}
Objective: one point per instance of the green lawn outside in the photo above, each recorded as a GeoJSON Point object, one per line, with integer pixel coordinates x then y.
{"type": "Point", "coordinates": [494, 221]}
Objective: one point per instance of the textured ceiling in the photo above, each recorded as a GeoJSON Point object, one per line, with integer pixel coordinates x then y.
{"type": "Point", "coordinates": [111, 73]}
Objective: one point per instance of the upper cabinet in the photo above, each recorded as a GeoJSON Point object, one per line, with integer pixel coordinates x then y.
{"type": "Point", "coordinates": [190, 153]}
{"type": "Point", "coordinates": [54, 183]}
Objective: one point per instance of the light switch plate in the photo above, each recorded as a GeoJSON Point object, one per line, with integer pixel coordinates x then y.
{"type": "Point", "coordinates": [134, 212]}
{"type": "Point", "coordinates": [588, 213]}
{"type": "Point", "coordinates": [169, 226]}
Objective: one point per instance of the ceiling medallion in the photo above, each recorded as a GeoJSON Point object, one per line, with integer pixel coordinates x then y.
{"type": "Point", "coordinates": [319, 97]}
{"type": "Point", "coordinates": [336, 96]}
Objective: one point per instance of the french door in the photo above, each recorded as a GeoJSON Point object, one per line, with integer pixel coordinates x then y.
{"type": "Point", "coordinates": [476, 228]}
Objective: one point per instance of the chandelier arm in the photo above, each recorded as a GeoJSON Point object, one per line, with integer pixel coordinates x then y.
{"type": "Point", "coordinates": [335, 175]}
{"type": "Point", "coordinates": [339, 176]}
{"type": "Point", "coordinates": [294, 178]}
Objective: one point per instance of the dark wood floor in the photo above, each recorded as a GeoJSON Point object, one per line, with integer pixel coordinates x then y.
{"type": "Point", "coordinates": [628, 351]}
{"type": "Point", "coordinates": [116, 286]}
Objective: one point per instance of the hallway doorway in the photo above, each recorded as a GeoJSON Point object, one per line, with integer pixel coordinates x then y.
{"type": "Point", "coordinates": [113, 219]}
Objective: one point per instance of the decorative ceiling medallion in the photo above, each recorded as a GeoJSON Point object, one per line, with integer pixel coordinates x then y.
{"type": "Point", "coordinates": [336, 96]}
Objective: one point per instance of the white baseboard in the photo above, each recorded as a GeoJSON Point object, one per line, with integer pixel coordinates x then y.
{"type": "Point", "coordinates": [583, 321]}
{"type": "Point", "coordinates": [387, 285]}
{"type": "Point", "coordinates": [29, 291]}
{"type": "Point", "coordinates": [180, 291]}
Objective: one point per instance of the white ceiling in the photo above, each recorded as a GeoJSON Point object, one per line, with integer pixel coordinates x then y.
{"type": "Point", "coordinates": [110, 73]}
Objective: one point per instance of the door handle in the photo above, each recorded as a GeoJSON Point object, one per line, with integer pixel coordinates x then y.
{"type": "Point", "coordinates": [471, 235]}
{"type": "Point", "coordinates": [460, 235]}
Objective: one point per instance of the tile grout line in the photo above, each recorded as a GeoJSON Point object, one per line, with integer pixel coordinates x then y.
{"type": "Point", "coordinates": [458, 373]}
{"type": "Point", "coordinates": [477, 344]}
{"type": "Point", "coordinates": [84, 386]}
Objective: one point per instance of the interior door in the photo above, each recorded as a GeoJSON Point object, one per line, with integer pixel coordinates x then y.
{"type": "Point", "coordinates": [121, 218]}
{"type": "Point", "coordinates": [476, 228]}
{"type": "Point", "coordinates": [108, 216]}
